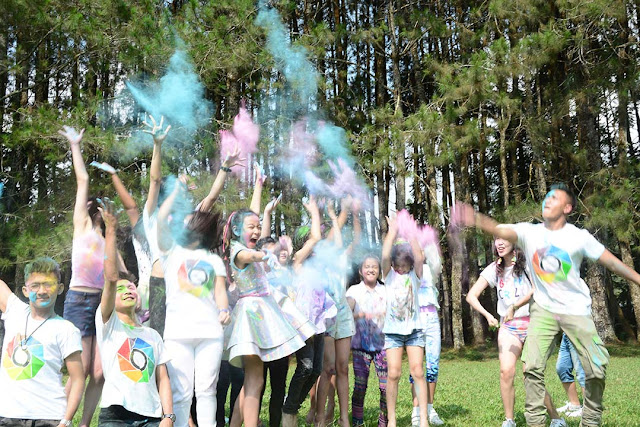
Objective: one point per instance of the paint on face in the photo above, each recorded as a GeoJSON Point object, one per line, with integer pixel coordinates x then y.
{"type": "Point", "coordinates": [33, 295]}
{"type": "Point", "coordinates": [251, 230]}
{"type": "Point", "coordinates": [549, 194]}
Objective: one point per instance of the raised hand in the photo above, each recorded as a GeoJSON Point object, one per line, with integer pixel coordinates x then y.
{"type": "Point", "coordinates": [104, 166]}
{"type": "Point", "coordinates": [311, 205]}
{"type": "Point", "coordinates": [273, 203]}
{"type": "Point", "coordinates": [392, 223]}
{"type": "Point", "coordinates": [156, 130]}
{"type": "Point", "coordinates": [74, 137]}
{"type": "Point", "coordinates": [108, 211]}
{"type": "Point", "coordinates": [463, 215]}
{"type": "Point", "coordinates": [259, 175]}
{"type": "Point", "coordinates": [234, 158]}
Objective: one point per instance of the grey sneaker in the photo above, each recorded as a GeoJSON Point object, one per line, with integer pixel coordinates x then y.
{"type": "Point", "coordinates": [576, 413]}
{"type": "Point", "coordinates": [509, 423]}
{"type": "Point", "coordinates": [558, 422]}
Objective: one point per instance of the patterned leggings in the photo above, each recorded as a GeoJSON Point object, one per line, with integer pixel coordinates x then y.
{"type": "Point", "coordinates": [361, 364]}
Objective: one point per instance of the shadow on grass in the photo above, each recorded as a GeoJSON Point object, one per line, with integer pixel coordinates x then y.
{"type": "Point", "coordinates": [624, 350]}
{"type": "Point", "coordinates": [473, 354]}
{"type": "Point", "coordinates": [451, 411]}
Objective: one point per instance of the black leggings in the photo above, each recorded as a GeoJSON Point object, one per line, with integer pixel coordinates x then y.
{"type": "Point", "coordinates": [229, 376]}
{"type": "Point", "coordinates": [278, 378]}
{"type": "Point", "coordinates": [308, 369]}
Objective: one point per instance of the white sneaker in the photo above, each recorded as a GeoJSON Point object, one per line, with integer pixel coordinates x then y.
{"type": "Point", "coordinates": [568, 407]}
{"type": "Point", "coordinates": [415, 417]}
{"type": "Point", "coordinates": [434, 418]}
{"type": "Point", "coordinates": [509, 423]}
{"type": "Point", "coordinates": [558, 422]}
{"type": "Point", "coordinates": [575, 413]}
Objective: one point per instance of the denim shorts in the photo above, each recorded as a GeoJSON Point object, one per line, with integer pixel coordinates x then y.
{"type": "Point", "coordinates": [414, 339]}
{"type": "Point", "coordinates": [80, 309]}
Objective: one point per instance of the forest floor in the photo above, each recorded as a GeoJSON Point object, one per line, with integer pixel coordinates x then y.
{"type": "Point", "coordinates": [468, 392]}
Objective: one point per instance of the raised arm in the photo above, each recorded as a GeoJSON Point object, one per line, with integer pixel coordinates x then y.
{"type": "Point", "coordinates": [232, 159]}
{"type": "Point", "coordinates": [5, 293]}
{"type": "Point", "coordinates": [357, 227]}
{"type": "Point", "coordinates": [155, 173]}
{"type": "Point", "coordinates": [472, 298]}
{"type": "Point", "coordinates": [387, 245]}
{"type": "Point", "coordinates": [418, 257]}
{"type": "Point", "coordinates": [336, 228]}
{"type": "Point", "coordinates": [266, 217]}
{"type": "Point", "coordinates": [165, 239]}
{"type": "Point", "coordinates": [130, 206]}
{"type": "Point", "coordinates": [108, 299]}
{"type": "Point", "coordinates": [81, 219]}
{"type": "Point", "coordinates": [616, 266]}
{"type": "Point", "coordinates": [315, 234]}
{"type": "Point", "coordinates": [465, 215]}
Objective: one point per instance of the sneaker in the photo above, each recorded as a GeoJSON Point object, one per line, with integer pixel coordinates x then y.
{"type": "Point", "coordinates": [558, 422]}
{"type": "Point", "coordinates": [415, 417]}
{"type": "Point", "coordinates": [568, 407]}
{"type": "Point", "coordinates": [576, 413]}
{"type": "Point", "coordinates": [434, 418]}
{"type": "Point", "coordinates": [509, 423]}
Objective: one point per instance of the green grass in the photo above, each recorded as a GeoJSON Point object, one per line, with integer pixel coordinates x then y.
{"type": "Point", "coordinates": [468, 391]}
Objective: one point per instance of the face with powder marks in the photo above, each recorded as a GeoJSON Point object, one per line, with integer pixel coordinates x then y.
{"type": "Point", "coordinates": [251, 230]}
{"type": "Point", "coordinates": [126, 296]}
{"type": "Point", "coordinates": [42, 289]}
{"type": "Point", "coordinates": [555, 204]}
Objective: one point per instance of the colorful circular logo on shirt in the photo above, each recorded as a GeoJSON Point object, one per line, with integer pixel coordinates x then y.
{"type": "Point", "coordinates": [196, 277]}
{"type": "Point", "coordinates": [23, 363]}
{"type": "Point", "coordinates": [552, 264]}
{"type": "Point", "coordinates": [136, 360]}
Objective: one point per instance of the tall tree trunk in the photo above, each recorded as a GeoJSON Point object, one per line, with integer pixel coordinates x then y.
{"type": "Point", "coordinates": [599, 306]}
{"type": "Point", "coordinates": [627, 258]}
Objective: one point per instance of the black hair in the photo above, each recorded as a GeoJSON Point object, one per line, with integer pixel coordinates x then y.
{"type": "Point", "coordinates": [204, 226]}
{"type": "Point", "coordinates": [42, 265]}
{"type": "Point", "coordinates": [519, 266]}
{"type": "Point", "coordinates": [92, 208]}
{"type": "Point", "coordinates": [402, 252]}
{"type": "Point", "coordinates": [572, 197]}
{"type": "Point", "coordinates": [265, 241]}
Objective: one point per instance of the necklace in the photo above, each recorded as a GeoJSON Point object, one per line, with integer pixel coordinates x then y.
{"type": "Point", "coordinates": [23, 343]}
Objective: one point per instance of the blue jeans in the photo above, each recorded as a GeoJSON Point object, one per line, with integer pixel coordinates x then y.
{"type": "Point", "coordinates": [567, 361]}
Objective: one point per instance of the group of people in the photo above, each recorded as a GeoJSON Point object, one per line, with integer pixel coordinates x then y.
{"type": "Point", "coordinates": [220, 303]}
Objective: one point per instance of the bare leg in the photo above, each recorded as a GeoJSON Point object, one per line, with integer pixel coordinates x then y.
{"type": "Point", "coordinates": [253, 382]}
{"type": "Point", "coordinates": [572, 393]}
{"type": "Point", "coordinates": [328, 369]}
{"type": "Point", "coordinates": [311, 415]}
{"type": "Point", "coordinates": [394, 371]}
{"type": "Point", "coordinates": [509, 348]}
{"type": "Point", "coordinates": [415, 354]}
{"type": "Point", "coordinates": [237, 417]}
{"type": "Point", "coordinates": [343, 349]}
{"type": "Point", "coordinates": [93, 369]}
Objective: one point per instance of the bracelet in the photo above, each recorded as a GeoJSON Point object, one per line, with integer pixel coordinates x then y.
{"type": "Point", "coordinates": [223, 310]}
{"type": "Point", "coordinates": [225, 169]}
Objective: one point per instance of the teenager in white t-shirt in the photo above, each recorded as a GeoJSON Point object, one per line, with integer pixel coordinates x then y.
{"type": "Point", "coordinates": [136, 388]}
{"type": "Point", "coordinates": [197, 307]}
{"type": "Point", "coordinates": [509, 277]}
{"type": "Point", "coordinates": [37, 343]}
{"type": "Point", "coordinates": [554, 251]}
{"type": "Point", "coordinates": [402, 269]}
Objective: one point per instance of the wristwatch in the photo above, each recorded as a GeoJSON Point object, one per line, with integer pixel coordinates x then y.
{"type": "Point", "coordinates": [65, 423]}
{"type": "Point", "coordinates": [172, 417]}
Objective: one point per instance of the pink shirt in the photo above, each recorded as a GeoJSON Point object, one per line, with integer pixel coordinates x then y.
{"type": "Point", "coordinates": [87, 261]}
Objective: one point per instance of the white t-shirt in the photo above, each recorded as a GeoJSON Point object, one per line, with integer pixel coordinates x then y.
{"type": "Point", "coordinates": [190, 277]}
{"type": "Point", "coordinates": [369, 335]}
{"type": "Point", "coordinates": [30, 379]}
{"type": "Point", "coordinates": [130, 356]}
{"type": "Point", "coordinates": [510, 288]}
{"type": "Point", "coordinates": [554, 259]}
{"type": "Point", "coordinates": [402, 303]}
